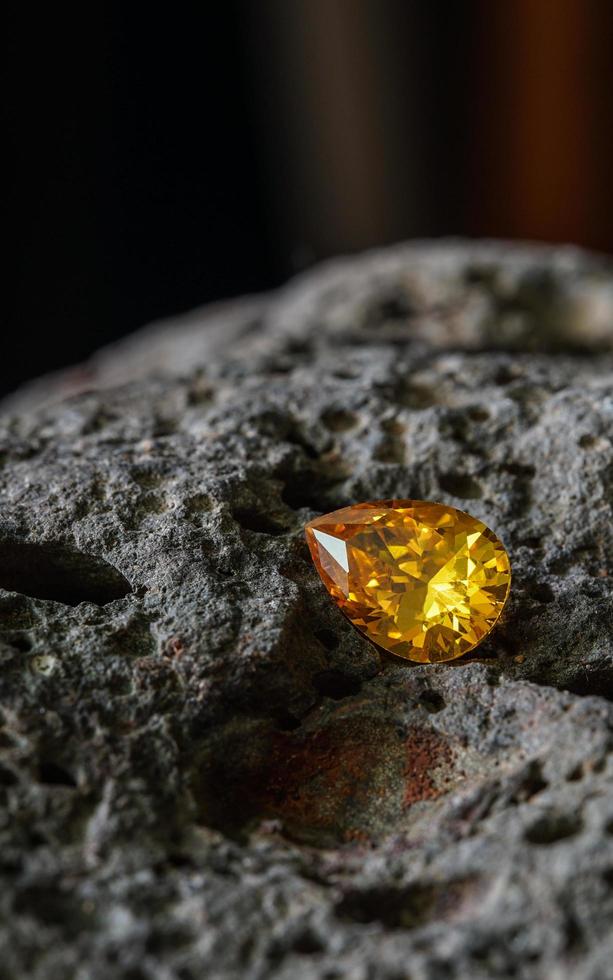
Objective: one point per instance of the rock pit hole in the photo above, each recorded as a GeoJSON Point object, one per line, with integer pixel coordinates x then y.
{"type": "Point", "coordinates": [53, 571]}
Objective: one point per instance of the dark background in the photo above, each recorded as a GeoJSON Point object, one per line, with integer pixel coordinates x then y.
{"type": "Point", "coordinates": [165, 156]}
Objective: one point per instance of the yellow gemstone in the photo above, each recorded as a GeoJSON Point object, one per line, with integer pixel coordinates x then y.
{"type": "Point", "coordinates": [425, 581]}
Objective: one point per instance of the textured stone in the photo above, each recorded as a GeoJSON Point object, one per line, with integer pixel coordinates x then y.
{"type": "Point", "coordinates": [204, 771]}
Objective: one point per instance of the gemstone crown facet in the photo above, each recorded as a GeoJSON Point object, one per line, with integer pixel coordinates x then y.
{"type": "Point", "coordinates": [423, 580]}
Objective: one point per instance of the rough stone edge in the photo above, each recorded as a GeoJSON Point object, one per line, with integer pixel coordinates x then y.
{"type": "Point", "coordinates": [167, 346]}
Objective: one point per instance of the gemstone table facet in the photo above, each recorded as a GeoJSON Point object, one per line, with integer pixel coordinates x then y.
{"type": "Point", "coordinates": [423, 580]}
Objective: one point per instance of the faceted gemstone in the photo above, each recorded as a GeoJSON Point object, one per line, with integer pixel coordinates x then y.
{"type": "Point", "coordinates": [425, 581]}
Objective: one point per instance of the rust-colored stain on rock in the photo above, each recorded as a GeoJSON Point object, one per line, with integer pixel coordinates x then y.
{"type": "Point", "coordinates": [318, 778]}
{"type": "Point", "coordinates": [427, 754]}
{"type": "Point", "coordinates": [353, 778]}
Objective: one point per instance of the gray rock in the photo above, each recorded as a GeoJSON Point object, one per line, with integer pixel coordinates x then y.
{"type": "Point", "coordinates": [204, 771]}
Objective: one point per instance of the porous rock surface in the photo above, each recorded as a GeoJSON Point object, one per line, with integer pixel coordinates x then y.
{"type": "Point", "coordinates": [204, 771]}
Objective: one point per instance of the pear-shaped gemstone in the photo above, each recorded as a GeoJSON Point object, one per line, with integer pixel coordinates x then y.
{"type": "Point", "coordinates": [425, 581]}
